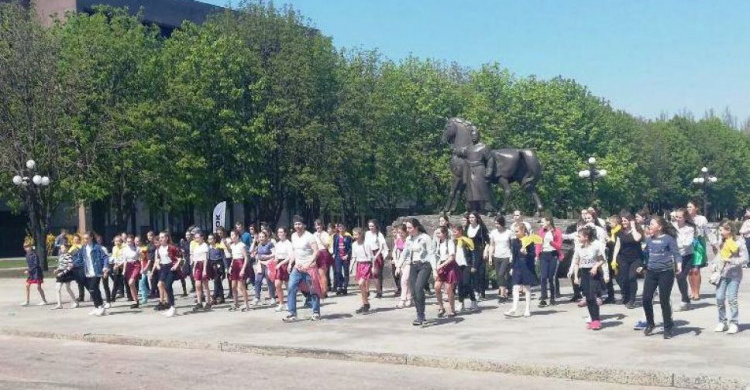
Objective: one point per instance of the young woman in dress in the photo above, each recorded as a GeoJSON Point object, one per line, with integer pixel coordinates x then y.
{"type": "Point", "coordinates": [522, 270]}
{"type": "Point", "coordinates": [446, 273]}
{"type": "Point", "coordinates": [324, 259]}
{"type": "Point", "coordinates": [375, 242]}
{"type": "Point", "coordinates": [362, 259]}
{"type": "Point", "coordinates": [240, 261]}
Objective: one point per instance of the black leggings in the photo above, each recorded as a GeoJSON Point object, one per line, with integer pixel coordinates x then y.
{"type": "Point", "coordinates": [664, 280]}
{"type": "Point", "coordinates": [628, 278]}
{"type": "Point", "coordinates": [682, 284]}
{"type": "Point", "coordinates": [590, 286]}
{"type": "Point", "coordinates": [464, 284]}
{"type": "Point", "coordinates": [219, 272]}
{"type": "Point", "coordinates": [419, 276]}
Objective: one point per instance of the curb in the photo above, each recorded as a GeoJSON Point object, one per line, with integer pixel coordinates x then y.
{"type": "Point", "coordinates": [592, 374]}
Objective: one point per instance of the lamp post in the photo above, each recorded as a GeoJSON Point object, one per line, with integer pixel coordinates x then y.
{"type": "Point", "coordinates": [31, 184]}
{"type": "Point", "coordinates": [592, 174]}
{"type": "Point", "coordinates": [705, 180]}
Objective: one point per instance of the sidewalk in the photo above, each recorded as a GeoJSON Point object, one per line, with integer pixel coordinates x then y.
{"type": "Point", "coordinates": [552, 343]}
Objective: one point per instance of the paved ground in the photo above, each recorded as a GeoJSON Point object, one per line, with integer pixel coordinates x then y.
{"type": "Point", "coordinates": [77, 365]}
{"type": "Point", "coordinates": [552, 337]}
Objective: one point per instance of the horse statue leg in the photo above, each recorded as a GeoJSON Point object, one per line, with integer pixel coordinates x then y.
{"type": "Point", "coordinates": [535, 197]}
{"type": "Point", "coordinates": [506, 189]}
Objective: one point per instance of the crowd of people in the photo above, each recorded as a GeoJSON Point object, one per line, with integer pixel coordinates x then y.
{"type": "Point", "coordinates": [453, 260]}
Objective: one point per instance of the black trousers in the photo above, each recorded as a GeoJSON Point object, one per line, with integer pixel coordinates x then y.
{"type": "Point", "coordinates": [218, 285]}
{"type": "Point", "coordinates": [628, 278]}
{"type": "Point", "coordinates": [92, 284]}
{"type": "Point", "coordinates": [396, 278]}
{"type": "Point", "coordinates": [682, 284]}
{"type": "Point", "coordinates": [663, 280]}
{"type": "Point", "coordinates": [80, 278]}
{"type": "Point", "coordinates": [419, 276]}
{"type": "Point", "coordinates": [478, 279]}
{"type": "Point", "coordinates": [107, 290]}
{"type": "Point", "coordinates": [590, 286]}
{"type": "Point", "coordinates": [464, 284]}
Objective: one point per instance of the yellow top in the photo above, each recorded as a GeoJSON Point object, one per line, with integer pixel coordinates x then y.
{"type": "Point", "coordinates": [729, 248]}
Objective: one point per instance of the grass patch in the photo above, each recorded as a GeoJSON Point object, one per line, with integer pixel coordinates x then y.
{"type": "Point", "coordinates": [5, 264]}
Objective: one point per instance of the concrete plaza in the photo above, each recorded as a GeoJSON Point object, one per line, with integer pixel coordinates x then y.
{"type": "Point", "coordinates": [553, 342]}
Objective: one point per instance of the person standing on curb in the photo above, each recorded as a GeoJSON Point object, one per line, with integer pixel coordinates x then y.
{"type": "Point", "coordinates": [478, 233]}
{"type": "Point", "coordinates": [92, 259]}
{"type": "Point", "coordinates": [342, 251]}
{"type": "Point", "coordinates": [590, 260]}
{"type": "Point", "coordinates": [628, 255]}
{"type": "Point", "coordinates": [729, 260]}
{"type": "Point", "coordinates": [418, 249]}
{"type": "Point", "coordinates": [362, 260]}
{"type": "Point", "coordinates": [64, 275]}
{"type": "Point", "coordinates": [663, 260]}
{"type": "Point", "coordinates": [549, 254]}
{"type": "Point", "coordinates": [278, 267]}
{"type": "Point", "coordinates": [263, 255]}
{"type": "Point", "coordinates": [167, 262]}
{"type": "Point", "coordinates": [202, 271]}
{"type": "Point", "coordinates": [500, 253]}
{"type": "Point", "coordinates": [34, 274]}
{"type": "Point", "coordinates": [240, 261]}
{"type": "Point", "coordinates": [700, 253]}
{"type": "Point", "coordinates": [522, 270]}
{"type": "Point", "coordinates": [464, 260]}
{"type": "Point", "coordinates": [446, 273]}
{"type": "Point", "coordinates": [303, 269]}
{"type": "Point", "coordinates": [686, 233]}
{"type": "Point", "coordinates": [375, 242]}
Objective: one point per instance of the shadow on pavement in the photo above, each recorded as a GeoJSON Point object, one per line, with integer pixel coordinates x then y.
{"type": "Point", "coordinates": [680, 328]}
{"type": "Point", "coordinates": [442, 321]}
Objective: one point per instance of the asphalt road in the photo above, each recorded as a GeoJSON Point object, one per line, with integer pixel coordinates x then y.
{"type": "Point", "coordinates": [40, 364]}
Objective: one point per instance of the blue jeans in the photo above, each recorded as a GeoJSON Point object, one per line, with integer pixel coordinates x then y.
{"type": "Point", "coordinates": [548, 267]}
{"type": "Point", "coordinates": [295, 278]}
{"type": "Point", "coordinates": [143, 288]}
{"type": "Point", "coordinates": [728, 288]}
{"type": "Point", "coordinates": [259, 283]}
{"type": "Point", "coordinates": [342, 274]}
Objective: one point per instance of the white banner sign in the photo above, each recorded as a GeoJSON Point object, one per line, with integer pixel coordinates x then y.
{"type": "Point", "coordinates": [220, 213]}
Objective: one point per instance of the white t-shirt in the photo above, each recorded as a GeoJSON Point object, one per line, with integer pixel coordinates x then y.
{"type": "Point", "coordinates": [685, 237]}
{"type": "Point", "coordinates": [501, 243]}
{"type": "Point", "coordinates": [445, 249]}
{"type": "Point", "coordinates": [589, 255]}
{"type": "Point", "coordinates": [88, 262]}
{"type": "Point", "coordinates": [199, 252]}
{"type": "Point", "coordinates": [227, 247]}
{"type": "Point", "coordinates": [360, 253]}
{"type": "Point", "coordinates": [461, 257]}
{"type": "Point", "coordinates": [283, 250]}
{"type": "Point", "coordinates": [238, 251]}
{"type": "Point", "coordinates": [547, 242]}
{"type": "Point", "coordinates": [303, 250]}
{"type": "Point", "coordinates": [128, 254]}
{"type": "Point", "coordinates": [374, 242]}
{"type": "Point", "coordinates": [701, 226]}
{"type": "Point", "coordinates": [472, 231]}
{"type": "Point", "coordinates": [163, 253]}
{"type": "Point", "coordinates": [323, 239]}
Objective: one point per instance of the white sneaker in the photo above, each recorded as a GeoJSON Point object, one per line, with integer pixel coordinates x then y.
{"type": "Point", "coordinates": [720, 327]}
{"type": "Point", "coordinates": [74, 305]}
{"type": "Point", "coordinates": [170, 312]}
{"type": "Point", "coordinates": [733, 328]}
{"type": "Point", "coordinates": [107, 305]}
{"type": "Point", "coordinates": [94, 312]}
{"type": "Point", "coordinates": [527, 314]}
{"type": "Point", "coordinates": [510, 313]}
{"type": "Point", "coordinates": [100, 311]}
{"type": "Point", "coordinates": [57, 307]}
{"type": "Point", "coordinates": [42, 303]}
{"type": "Point", "coordinates": [280, 308]}
{"type": "Point", "coordinates": [25, 303]}
{"type": "Point", "coordinates": [256, 302]}
{"type": "Point", "coordinates": [683, 306]}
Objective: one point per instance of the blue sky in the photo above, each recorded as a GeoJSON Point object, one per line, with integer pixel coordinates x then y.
{"type": "Point", "coordinates": [646, 57]}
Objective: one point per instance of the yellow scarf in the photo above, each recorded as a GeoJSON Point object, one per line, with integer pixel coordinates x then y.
{"type": "Point", "coordinates": [531, 239]}
{"type": "Point", "coordinates": [729, 248]}
{"type": "Point", "coordinates": [614, 231]}
{"type": "Point", "coordinates": [465, 242]}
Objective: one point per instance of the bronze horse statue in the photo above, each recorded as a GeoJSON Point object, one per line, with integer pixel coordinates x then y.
{"type": "Point", "coordinates": [503, 166]}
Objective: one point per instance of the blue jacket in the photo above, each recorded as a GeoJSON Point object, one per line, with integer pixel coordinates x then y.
{"type": "Point", "coordinates": [98, 258]}
{"type": "Point", "coordinates": [347, 247]}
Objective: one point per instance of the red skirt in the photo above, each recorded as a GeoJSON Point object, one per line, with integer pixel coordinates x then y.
{"type": "Point", "coordinates": [448, 274]}
{"type": "Point", "coordinates": [198, 273]}
{"type": "Point", "coordinates": [379, 262]}
{"type": "Point", "coordinates": [234, 273]}
{"type": "Point", "coordinates": [281, 274]}
{"type": "Point", "coordinates": [324, 259]}
{"type": "Point", "coordinates": [34, 281]}
{"type": "Point", "coordinates": [364, 271]}
{"type": "Point", "coordinates": [132, 271]}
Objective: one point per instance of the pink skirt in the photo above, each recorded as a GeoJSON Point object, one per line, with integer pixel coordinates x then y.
{"type": "Point", "coordinates": [198, 273]}
{"type": "Point", "coordinates": [132, 271]}
{"type": "Point", "coordinates": [324, 259]}
{"type": "Point", "coordinates": [448, 274]}
{"type": "Point", "coordinates": [281, 274]}
{"type": "Point", "coordinates": [364, 271]}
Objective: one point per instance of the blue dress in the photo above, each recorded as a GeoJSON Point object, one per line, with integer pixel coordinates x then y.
{"type": "Point", "coordinates": [523, 265]}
